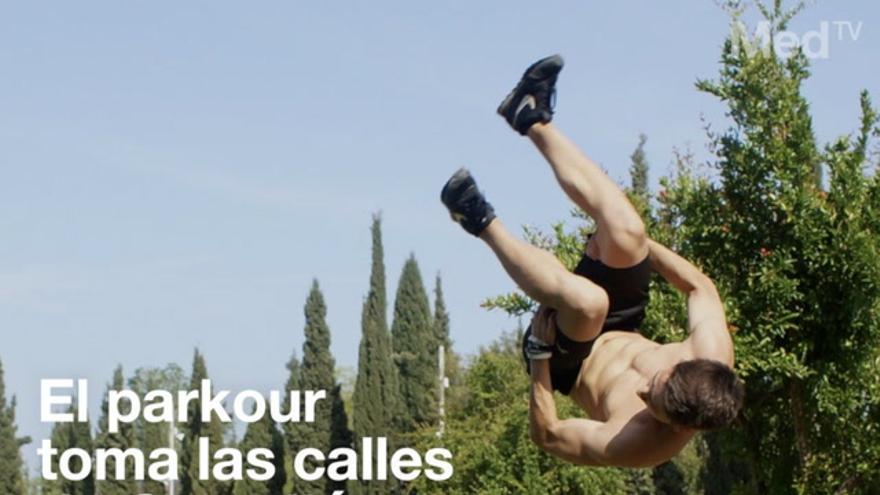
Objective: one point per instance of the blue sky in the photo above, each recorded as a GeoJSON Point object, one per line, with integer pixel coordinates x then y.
{"type": "Point", "coordinates": [174, 174]}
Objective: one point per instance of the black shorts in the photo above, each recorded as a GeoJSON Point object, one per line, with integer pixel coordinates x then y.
{"type": "Point", "coordinates": [628, 297]}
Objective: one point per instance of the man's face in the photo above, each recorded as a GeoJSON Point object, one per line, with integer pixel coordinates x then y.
{"type": "Point", "coordinates": [652, 394]}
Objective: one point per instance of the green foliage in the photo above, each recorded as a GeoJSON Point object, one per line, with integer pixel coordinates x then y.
{"type": "Point", "coordinates": [123, 439]}
{"type": "Point", "coordinates": [195, 428]}
{"type": "Point", "coordinates": [69, 436]}
{"type": "Point", "coordinates": [340, 434]}
{"type": "Point", "coordinates": [639, 482]}
{"type": "Point", "coordinates": [291, 430]}
{"type": "Point", "coordinates": [415, 350]}
{"type": "Point", "coordinates": [376, 392]}
{"type": "Point", "coordinates": [263, 434]}
{"type": "Point", "coordinates": [441, 315]}
{"type": "Point", "coordinates": [682, 474]}
{"type": "Point", "coordinates": [11, 480]}
{"type": "Point", "coordinates": [317, 373]}
{"type": "Point", "coordinates": [317, 367]}
{"type": "Point", "coordinates": [638, 172]}
{"type": "Point", "coordinates": [805, 285]}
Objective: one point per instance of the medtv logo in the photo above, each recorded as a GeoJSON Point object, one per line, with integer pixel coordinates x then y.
{"type": "Point", "coordinates": [815, 44]}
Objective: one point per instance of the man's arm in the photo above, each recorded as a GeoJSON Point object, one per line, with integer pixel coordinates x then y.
{"type": "Point", "coordinates": [627, 442]}
{"type": "Point", "coordinates": [709, 337]}
{"type": "Point", "coordinates": [634, 441]}
{"type": "Point", "coordinates": [580, 441]}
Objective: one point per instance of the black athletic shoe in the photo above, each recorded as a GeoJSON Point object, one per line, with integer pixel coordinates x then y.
{"type": "Point", "coordinates": [466, 203]}
{"type": "Point", "coordinates": [532, 100]}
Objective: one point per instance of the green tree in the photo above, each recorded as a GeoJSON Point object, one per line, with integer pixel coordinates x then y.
{"type": "Point", "coordinates": [292, 430]}
{"type": "Point", "coordinates": [441, 315]}
{"type": "Point", "coordinates": [194, 429]}
{"type": "Point", "coordinates": [11, 480]}
{"type": "Point", "coordinates": [639, 482]}
{"type": "Point", "coordinates": [340, 433]}
{"type": "Point", "coordinates": [415, 349]}
{"type": "Point", "coordinates": [376, 400]}
{"type": "Point", "coordinates": [638, 170]}
{"type": "Point", "coordinates": [263, 434]}
{"type": "Point", "coordinates": [65, 436]}
{"type": "Point", "coordinates": [796, 260]}
{"type": "Point", "coordinates": [317, 373]}
{"type": "Point", "coordinates": [123, 439]}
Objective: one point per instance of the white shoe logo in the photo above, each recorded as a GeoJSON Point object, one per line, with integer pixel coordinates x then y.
{"type": "Point", "coordinates": [527, 101]}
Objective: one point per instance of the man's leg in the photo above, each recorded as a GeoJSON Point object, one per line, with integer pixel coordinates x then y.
{"type": "Point", "coordinates": [620, 234]}
{"type": "Point", "coordinates": [581, 305]}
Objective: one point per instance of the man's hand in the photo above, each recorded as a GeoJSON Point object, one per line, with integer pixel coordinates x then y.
{"type": "Point", "coordinates": [544, 324]}
{"type": "Point", "coordinates": [543, 336]}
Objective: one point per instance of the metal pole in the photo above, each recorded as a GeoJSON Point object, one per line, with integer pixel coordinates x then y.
{"type": "Point", "coordinates": [441, 364]}
{"type": "Point", "coordinates": [172, 432]}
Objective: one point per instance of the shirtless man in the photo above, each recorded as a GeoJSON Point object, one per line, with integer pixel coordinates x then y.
{"type": "Point", "coordinates": [645, 400]}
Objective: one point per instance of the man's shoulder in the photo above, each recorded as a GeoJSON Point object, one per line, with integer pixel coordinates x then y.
{"type": "Point", "coordinates": [643, 441]}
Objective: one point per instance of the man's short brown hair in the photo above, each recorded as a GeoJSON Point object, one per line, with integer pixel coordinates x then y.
{"type": "Point", "coordinates": [703, 394]}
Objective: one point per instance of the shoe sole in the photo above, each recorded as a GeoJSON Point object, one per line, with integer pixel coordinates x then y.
{"type": "Point", "coordinates": [553, 60]}
{"type": "Point", "coordinates": [453, 184]}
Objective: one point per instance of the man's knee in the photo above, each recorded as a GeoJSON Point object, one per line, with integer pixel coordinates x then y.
{"type": "Point", "coordinates": [580, 294]}
{"type": "Point", "coordinates": [592, 302]}
{"type": "Point", "coordinates": [627, 227]}
{"type": "Point", "coordinates": [624, 240]}
{"type": "Point", "coordinates": [585, 308]}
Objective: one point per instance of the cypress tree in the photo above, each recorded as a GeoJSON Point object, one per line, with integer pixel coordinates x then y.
{"type": "Point", "coordinates": [376, 390]}
{"type": "Point", "coordinates": [69, 436]}
{"type": "Point", "coordinates": [415, 349]}
{"type": "Point", "coordinates": [638, 170]}
{"type": "Point", "coordinates": [441, 315]}
{"type": "Point", "coordinates": [263, 434]}
{"type": "Point", "coordinates": [124, 439]}
{"type": "Point", "coordinates": [193, 430]}
{"type": "Point", "coordinates": [317, 367]}
{"type": "Point", "coordinates": [340, 434]}
{"type": "Point", "coordinates": [638, 191]}
{"type": "Point", "coordinates": [292, 431]}
{"type": "Point", "coordinates": [11, 481]}
{"type": "Point", "coordinates": [317, 373]}
{"type": "Point", "coordinates": [81, 437]}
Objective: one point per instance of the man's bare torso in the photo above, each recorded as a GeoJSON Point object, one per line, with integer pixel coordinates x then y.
{"type": "Point", "coordinates": [620, 364]}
